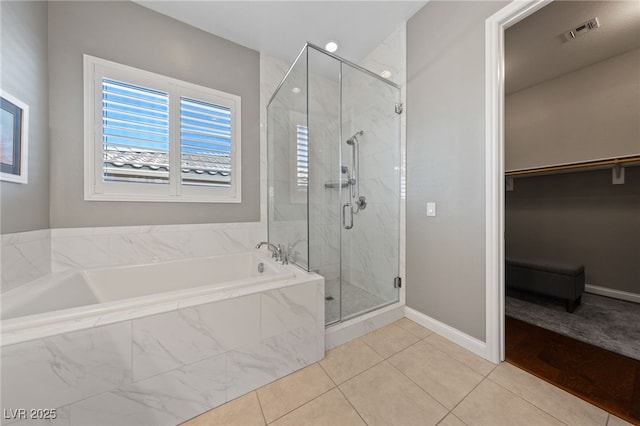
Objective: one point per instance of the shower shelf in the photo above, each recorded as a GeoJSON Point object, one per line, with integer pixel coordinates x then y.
{"type": "Point", "coordinates": [334, 183]}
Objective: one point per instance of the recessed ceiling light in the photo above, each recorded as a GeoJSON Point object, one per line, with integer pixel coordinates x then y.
{"type": "Point", "coordinates": [331, 46]}
{"type": "Point", "coordinates": [296, 90]}
{"type": "Point", "coordinates": [385, 74]}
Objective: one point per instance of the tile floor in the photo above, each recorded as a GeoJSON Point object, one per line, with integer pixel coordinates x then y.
{"type": "Point", "coordinates": [403, 374]}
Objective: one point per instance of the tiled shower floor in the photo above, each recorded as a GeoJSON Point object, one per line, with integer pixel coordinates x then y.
{"type": "Point", "coordinates": [403, 374]}
{"type": "Point", "coordinates": [354, 301]}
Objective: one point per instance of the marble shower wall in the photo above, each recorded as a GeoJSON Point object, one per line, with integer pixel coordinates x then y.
{"type": "Point", "coordinates": [164, 369]}
{"type": "Point", "coordinates": [373, 249]}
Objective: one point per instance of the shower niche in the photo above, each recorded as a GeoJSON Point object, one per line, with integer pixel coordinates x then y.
{"type": "Point", "coordinates": [334, 179]}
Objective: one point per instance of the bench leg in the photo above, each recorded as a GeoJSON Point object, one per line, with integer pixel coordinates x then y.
{"type": "Point", "coordinates": [571, 304]}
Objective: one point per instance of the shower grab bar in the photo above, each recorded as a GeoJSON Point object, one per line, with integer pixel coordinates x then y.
{"type": "Point", "coordinates": [354, 180]}
{"type": "Point", "coordinates": [345, 207]}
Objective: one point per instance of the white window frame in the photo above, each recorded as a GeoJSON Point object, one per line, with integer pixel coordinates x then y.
{"type": "Point", "coordinates": [96, 189]}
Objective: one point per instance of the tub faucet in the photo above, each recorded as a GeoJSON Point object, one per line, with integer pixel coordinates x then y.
{"type": "Point", "coordinates": [275, 251]}
{"type": "Point", "coordinates": [284, 254]}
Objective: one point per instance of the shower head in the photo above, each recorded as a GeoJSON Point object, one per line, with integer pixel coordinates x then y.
{"type": "Point", "coordinates": [354, 138]}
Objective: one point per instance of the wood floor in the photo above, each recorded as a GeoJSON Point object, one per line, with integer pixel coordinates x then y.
{"type": "Point", "coordinates": [603, 378]}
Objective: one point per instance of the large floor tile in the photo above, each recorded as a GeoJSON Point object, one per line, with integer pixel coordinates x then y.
{"type": "Point", "coordinates": [243, 411]}
{"type": "Point", "coordinates": [329, 409]}
{"type": "Point", "coordinates": [292, 391]}
{"type": "Point", "coordinates": [348, 360]}
{"type": "Point", "coordinates": [492, 405]}
{"type": "Point", "coordinates": [459, 353]}
{"type": "Point", "coordinates": [389, 340]}
{"type": "Point", "coordinates": [441, 376]}
{"type": "Point", "coordinates": [384, 396]}
{"type": "Point", "coordinates": [413, 327]}
{"type": "Point", "coordinates": [560, 404]}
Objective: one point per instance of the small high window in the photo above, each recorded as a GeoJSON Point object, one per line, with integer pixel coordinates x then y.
{"type": "Point", "coordinates": [154, 138]}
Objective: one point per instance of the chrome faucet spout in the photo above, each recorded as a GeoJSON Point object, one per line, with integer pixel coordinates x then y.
{"type": "Point", "coordinates": [275, 251]}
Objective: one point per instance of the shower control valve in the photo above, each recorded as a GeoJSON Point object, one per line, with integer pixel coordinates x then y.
{"type": "Point", "coordinates": [362, 203]}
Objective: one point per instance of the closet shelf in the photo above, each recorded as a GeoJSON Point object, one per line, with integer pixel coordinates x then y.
{"type": "Point", "coordinates": [565, 168]}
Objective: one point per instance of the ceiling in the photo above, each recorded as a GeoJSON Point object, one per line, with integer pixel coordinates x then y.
{"type": "Point", "coordinates": [536, 50]}
{"type": "Point", "coordinates": [281, 28]}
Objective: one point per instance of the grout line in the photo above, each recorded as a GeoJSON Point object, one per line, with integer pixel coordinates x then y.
{"type": "Point", "coordinates": [352, 406]}
{"type": "Point", "coordinates": [264, 418]}
{"type": "Point", "coordinates": [300, 406]}
{"type": "Point", "coordinates": [467, 395]}
{"type": "Point", "coordinates": [451, 414]}
{"type": "Point", "coordinates": [328, 375]}
{"type": "Point", "coordinates": [420, 387]}
{"type": "Point", "coordinates": [525, 400]}
{"type": "Point", "coordinates": [304, 403]}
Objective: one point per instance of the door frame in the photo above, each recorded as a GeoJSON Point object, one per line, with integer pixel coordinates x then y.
{"type": "Point", "coordinates": [495, 26]}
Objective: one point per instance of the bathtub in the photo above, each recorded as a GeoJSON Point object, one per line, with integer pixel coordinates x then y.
{"type": "Point", "coordinates": [156, 343]}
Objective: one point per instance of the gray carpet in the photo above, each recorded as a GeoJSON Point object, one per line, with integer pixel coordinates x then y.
{"type": "Point", "coordinates": [601, 321]}
{"type": "Point", "coordinates": [355, 300]}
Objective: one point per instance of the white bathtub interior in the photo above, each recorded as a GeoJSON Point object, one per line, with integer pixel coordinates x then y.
{"type": "Point", "coordinates": [139, 285]}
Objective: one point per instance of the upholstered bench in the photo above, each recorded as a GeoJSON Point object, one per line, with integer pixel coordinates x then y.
{"type": "Point", "coordinates": [562, 280]}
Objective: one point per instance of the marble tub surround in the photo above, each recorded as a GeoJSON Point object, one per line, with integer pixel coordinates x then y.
{"type": "Point", "coordinates": [168, 367]}
{"type": "Point", "coordinates": [25, 256]}
{"type": "Point", "coordinates": [126, 245]}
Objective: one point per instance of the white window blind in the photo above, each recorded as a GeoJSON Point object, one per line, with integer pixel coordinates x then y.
{"type": "Point", "coordinates": [135, 133]}
{"type": "Point", "coordinates": [302, 157]}
{"type": "Point", "coordinates": [205, 139]}
{"type": "Point", "coordinates": [150, 137]}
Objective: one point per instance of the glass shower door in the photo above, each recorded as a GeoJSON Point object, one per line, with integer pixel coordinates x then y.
{"type": "Point", "coordinates": [288, 171]}
{"type": "Point", "coordinates": [326, 179]}
{"type": "Point", "coordinates": [370, 205]}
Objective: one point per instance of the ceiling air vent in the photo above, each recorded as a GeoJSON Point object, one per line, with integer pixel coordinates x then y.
{"type": "Point", "coordinates": [581, 29]}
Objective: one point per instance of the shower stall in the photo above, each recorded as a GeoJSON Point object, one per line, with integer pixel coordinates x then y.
{"type": "Point", "coordinates": [334, 180]}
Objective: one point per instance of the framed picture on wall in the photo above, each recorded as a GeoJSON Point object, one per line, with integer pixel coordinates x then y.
{"type": "Point", "coordinates": [14, 141]}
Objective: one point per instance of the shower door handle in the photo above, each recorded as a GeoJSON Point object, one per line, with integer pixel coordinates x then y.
{"type": "Point", "coordinates": [344, 216]}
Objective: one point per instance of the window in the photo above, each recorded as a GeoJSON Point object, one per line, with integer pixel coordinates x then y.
{"type": "Point", "coordinates": [302, 158]}
{"type": "Point", "coordinates": [299, 164]}
{"type": "Point", "coordinates": [154, 138]}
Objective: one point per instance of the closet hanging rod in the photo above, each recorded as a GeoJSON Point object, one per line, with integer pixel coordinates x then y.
{"type": "Point", "coordinates": [582, 165]}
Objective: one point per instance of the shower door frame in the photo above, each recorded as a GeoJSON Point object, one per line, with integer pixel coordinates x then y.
{"type": "Point", "coordinates": [394, 310]}
{"type": "Point", "coordinates": [399, 292]}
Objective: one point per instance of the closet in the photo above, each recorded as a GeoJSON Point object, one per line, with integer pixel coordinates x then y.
{"type": "Point", "coordinates": [572, 164]}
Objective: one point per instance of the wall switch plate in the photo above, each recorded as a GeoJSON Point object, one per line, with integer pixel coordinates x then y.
{"type": "Point", "coordinates": [431, 208]}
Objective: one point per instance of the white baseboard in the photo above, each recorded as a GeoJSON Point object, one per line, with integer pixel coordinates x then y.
{"type": "Point", "coordinates": [616, 294]}
{"type": "Point", "coordinates": [456, 336]}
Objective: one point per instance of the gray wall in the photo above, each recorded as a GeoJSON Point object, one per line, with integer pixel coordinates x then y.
{"type": "Point", "coordinates": [579, 218]}
{"type": "Point", "coordinates": [568, 119]}
{"type": "Point", "coordinates": [445, 163]}
{"type": "Point", "coordinates": [24, 75]}
{"type": "Point", "coordinates": [130, 34]}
